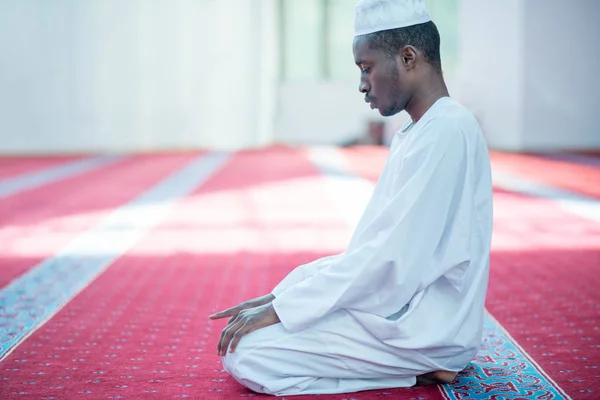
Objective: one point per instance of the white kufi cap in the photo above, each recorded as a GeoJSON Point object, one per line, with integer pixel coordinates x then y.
{"type": "Point", "coordinates": [379, 15]}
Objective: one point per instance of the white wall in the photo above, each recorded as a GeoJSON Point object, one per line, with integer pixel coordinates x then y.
{"type": "Point", "coordinates": [562, 67]}
{"type": "Point", "coordinates": [321, 113]}
{"type": "Point", "coordinates": [490, 77]}
{"type": "Point", "coordinates": [331, 113]}
{"type": "Point", "coordinates": [310, 107]}
{"type": "Point", "coordinates": [111, 75]}
{"type": "Point", "coordinates": [529, 71]}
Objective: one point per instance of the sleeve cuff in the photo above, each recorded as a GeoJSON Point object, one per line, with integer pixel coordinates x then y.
{"type": "Point", "coordinates": [290, 317]}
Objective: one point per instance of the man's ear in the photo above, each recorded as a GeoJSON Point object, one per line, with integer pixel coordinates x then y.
{"type": "Point", "coordinates": [408, 57]}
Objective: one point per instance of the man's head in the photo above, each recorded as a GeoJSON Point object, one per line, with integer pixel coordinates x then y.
{"type": "Point", "coordinates": [395, 62]}
{"type": "Point", "coordinates": [397, 48]}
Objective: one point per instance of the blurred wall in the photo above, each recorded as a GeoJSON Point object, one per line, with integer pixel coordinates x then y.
{"type": "Point", "coordinates": [491, 75]}
{"type": "Point", "coordinates": [135, 75]}
{"type": "Point", "coordinates": [111, 75]}
{"type": "Point", "coordinates": [318, 98]}
{"type": "Point", "coordinates": [528, 70]}
{"type": "Point", "coordinates": [562, 81]}
{"type": "Point", "coordinates": [322, 113]}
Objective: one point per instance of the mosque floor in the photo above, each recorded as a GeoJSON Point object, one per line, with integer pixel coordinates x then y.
{"type": "Point", "coordinates": [110, 266]}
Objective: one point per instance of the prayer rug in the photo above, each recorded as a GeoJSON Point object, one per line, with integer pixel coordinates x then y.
{"type": "Point", "coordinates": [140, 329]}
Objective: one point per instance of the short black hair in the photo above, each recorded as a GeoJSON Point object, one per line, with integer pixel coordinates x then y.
{"type": "Point", "coordinates": [424, 37]}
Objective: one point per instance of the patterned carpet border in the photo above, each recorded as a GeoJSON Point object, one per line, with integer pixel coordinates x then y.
{"type": "Point", "coordinates": [502, 370]}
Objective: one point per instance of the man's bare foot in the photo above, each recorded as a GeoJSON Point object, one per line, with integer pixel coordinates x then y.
{"type": "Point", "coordinates": [445, 376]}
{"type": "Point", "coordinates": [436, 378]}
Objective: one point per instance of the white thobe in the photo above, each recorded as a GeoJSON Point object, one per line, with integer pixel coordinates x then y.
{"type": "Point", "coordinates": [407, 296]}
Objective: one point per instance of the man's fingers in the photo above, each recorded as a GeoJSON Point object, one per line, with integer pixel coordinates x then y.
{"type": "Point", "coordinates": [230, 312]}
{"type": "Point", "coordinates": [226, 336]}
{"type": "Point", "coordinates": [223, 333]}
{"type": "Point", "coordinates": [230, 325]}
{"type": "Point", "coordinates": [244, 330]}
{"type": "Point", "coordinates": [235, 338]}
{"type": "Point", "coordinates": [222, 338]}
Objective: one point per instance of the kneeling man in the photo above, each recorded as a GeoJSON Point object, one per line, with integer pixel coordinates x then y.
{"type": "Point", "coordinates": [404, 304]}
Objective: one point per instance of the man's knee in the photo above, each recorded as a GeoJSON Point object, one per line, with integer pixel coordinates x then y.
{"type": "Point", "coordinates": [261, 361]}
{"type": "Point", "coordinates": [252, 351]}
{"type": "Point", "coordinates": [243, 366]}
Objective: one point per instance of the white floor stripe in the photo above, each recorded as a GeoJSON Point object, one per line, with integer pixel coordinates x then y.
{"type": "Point", "coordinates": [30, 300]}
{"type": "Point", "coordinates": [31, 180]}
{"type": "Point", "coordinates": [574, 203]}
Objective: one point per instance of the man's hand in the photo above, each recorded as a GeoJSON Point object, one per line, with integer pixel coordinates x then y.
{"type": "Point", "coordinates": [247, 321]}
{"type": "Point", "coordinates": [234, 311]}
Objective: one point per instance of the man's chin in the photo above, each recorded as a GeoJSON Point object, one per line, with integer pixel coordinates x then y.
{"type": "Point", "coordinates": [387, 112]}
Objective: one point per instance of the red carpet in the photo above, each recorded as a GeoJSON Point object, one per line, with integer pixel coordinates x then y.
{"type": "Point", "coordinates": [11, 167]}
{"type": "Point", "coordinates": [569, 176]}
{"type": "Point", "coordinates": [35, 223]}
{"type": "Point", "coordinates": [141, 329]}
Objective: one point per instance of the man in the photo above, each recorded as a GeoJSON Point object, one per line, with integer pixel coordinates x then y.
{"type": "Point", "coordinates": [404, 304]}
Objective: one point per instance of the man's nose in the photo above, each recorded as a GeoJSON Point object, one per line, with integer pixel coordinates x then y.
{"type": "Point", "coordinates": [364, 87]}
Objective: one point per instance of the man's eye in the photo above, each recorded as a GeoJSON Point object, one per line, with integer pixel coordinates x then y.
{"type": "Point", "coordinates": [366, 70]}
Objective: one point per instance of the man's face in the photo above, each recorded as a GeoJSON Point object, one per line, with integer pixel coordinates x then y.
{"type": "Point", "coordinates": [384, 84]}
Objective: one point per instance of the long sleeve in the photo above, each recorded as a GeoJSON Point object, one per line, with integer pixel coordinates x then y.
{"type": "Point", "coordinates": [393, 253]}
{"type": "Point", "coordinates": [303, 272]}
